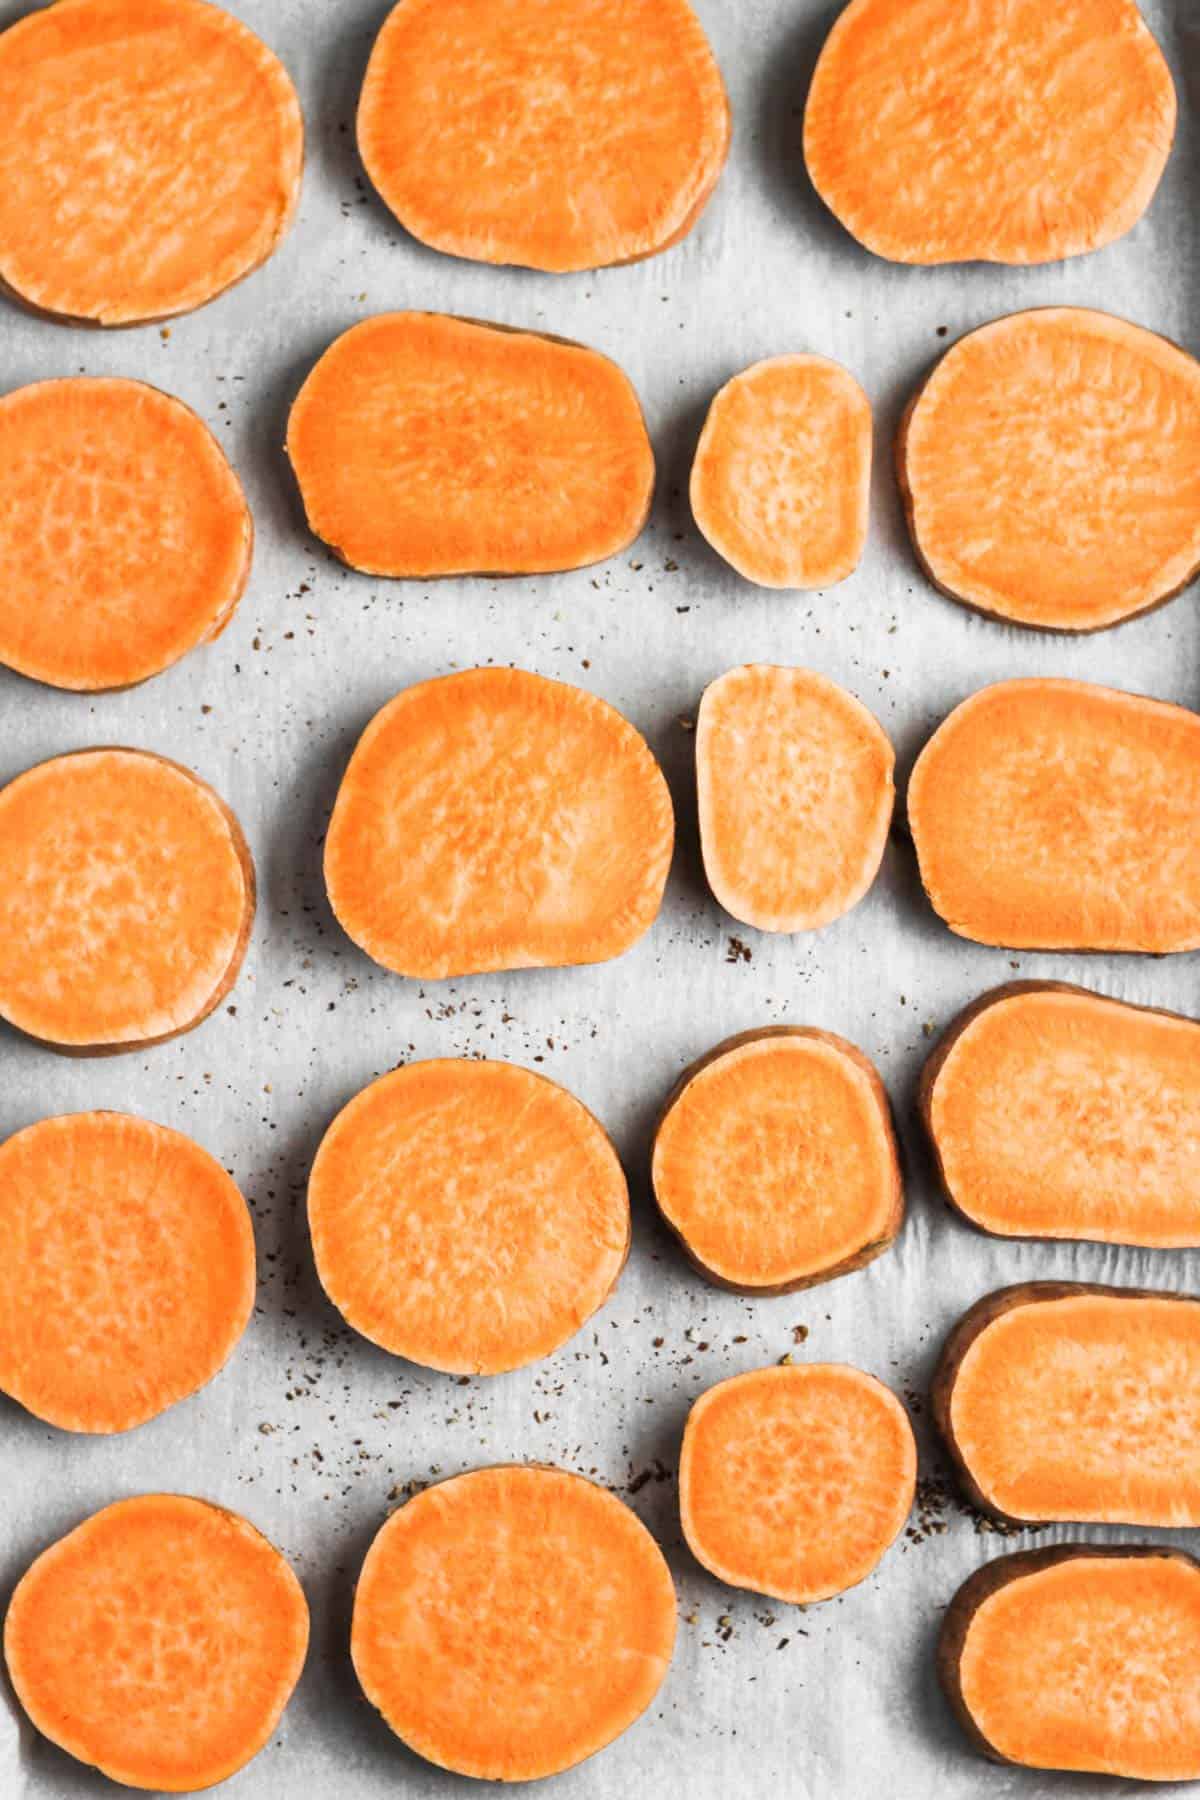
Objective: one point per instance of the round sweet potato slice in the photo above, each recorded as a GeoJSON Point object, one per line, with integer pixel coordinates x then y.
{"type": "Point", "coordinates": [125, 537]}
{"type": "Point", "coordinates": [159, 1641]}
{"type": "Point", "coordinates": [494, 819]}
{"type": "Point", "coordinates": [467, 1215]}
{"type": "Point", "coordinates": [127, 900]}
{"type": "Point", "coordinates": [555, 134]}
{"type": "Point", "coordinates": [794, 1480]}
{"type": "Point", "coordinates": [775, 1162]}
{"type": "Point", "coordinates": [1050, 467]}
{"type": "Point", "coordinates": [150, 156]}
{"type": "Point", "coordinates": [510, 1622]}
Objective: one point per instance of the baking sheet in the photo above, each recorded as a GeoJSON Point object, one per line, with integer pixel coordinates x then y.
{"type": "Point", "coordinates": [312, 1432]}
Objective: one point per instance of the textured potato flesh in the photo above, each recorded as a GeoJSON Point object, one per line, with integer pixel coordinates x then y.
{"type": "Point", "coordinates": [150, 156]}
{"type": "Point", "coordinates": [1052, 462]}
{"type": "Point", "coordinates": [427, 446]}
{"type": "Point", "coordinates": [795, 795]}
{"type": "Point", "coordinates": [794, 1481]}
{"type": "Point", "coordinates": [1067, 1115]}
{"type": "Point", "coordinates": [1091, 1664]}
{"type": "Point", "coordinates": [781, 482]}
{"type": "Point", "coordinates": [999, 130]}
{"type": "Point", "coordinates": [1085, 1408]}
{"type": "Point", "coordinates": [510, 1622]}
{"type": "Point", "coordinates": [1057, 815]}
{"type": "Point", "coordinates": [557, 134]}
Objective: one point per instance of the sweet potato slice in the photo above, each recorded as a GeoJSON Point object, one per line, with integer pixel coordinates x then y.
{"type": "Point", "coordinates": [467, 1215]}
{"type": "Point", "coordinates": [150, 156]}
{"type": "Point", "coordinates": [160, 1641]}
{"type": "Point", "coordinates": [497, 820]}
{"type": "Point", "coordinates": [781, 483]}
{"type": "Point", "coordinates": [125, 536]}
{"type": "Point", "coordinates": [1057, 1113]}
{"type": "Point", "coordinates": [426, 446]}
{"type": "Point", "coordinates": [795, 787]}
{"type": "Point", "coordinates": [1080, 1656]}
{"type": "Point", "coordinates": [793, 1481]}
{"type": "Point", "coordinates": [1064, 1400]}
{"type": "Point", "coordinates": [1054, 815]}
{"type": "Point", "coordinates": [127, 900]}
{"type": "Point", "coordinates": [1050, 468]}
{"type": "Point", "coordinates": [775, 1162]}
{"type": "Point", "coordinates": [510, 1622]}
{"type": "Point", "coordinates": [1005, 131]}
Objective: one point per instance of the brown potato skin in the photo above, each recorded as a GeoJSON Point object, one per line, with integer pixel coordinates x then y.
{"type": "Point", "coordinates": [870, 1251]}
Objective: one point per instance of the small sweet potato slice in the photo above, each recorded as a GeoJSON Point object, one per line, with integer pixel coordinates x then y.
{"type": "Point", "coordinates": [1080, 1657]}
{"type": "Point", "coordinates": [510, 1622]}
{"type": "Point", "coordinates": [159, 1641]}
{"type": "Point", "coordinates": [1054, 815]}
{"type": "Point", "coordinates": [125, 537]}
{"type": "Point", "coordinates": [555, 134]}
{"type": "Point", "coordinates": [1050, 468]}
{"type": "Point", "coordinates": [795, 787]}
{"type": "Point", "coordinates": [1057, 1113]}
{"type": "Point", "coordinates": [426, 446]}
{"type": "Point", "coordinates": [150, 156]}
{"type": "Point", "coordinates": [1069, 1401]}
{"type": "Point", "coordinates": [781, 482]}
{"type": "Point", "coordinates": [775, 1161]}
{"type": "Point", "coordinates": [127, 900]}
{"type": "Point", "coordinates": [794, 1480]}
{"type": "Point", "coordinates": [494, 819]}
{"type": "Point", "coordinates": [128, 1273]}
{"type": "Point", "coordinates": [1005, 131]}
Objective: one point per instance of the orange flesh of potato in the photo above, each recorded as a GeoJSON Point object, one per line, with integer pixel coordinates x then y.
{"type": "Point", "coordinates": [510, 1622]}
{"type": "Point", "coordinates": [128, 1272]}
{"type": "Point", "coordinates": [556, 134]}
{"type": "Point", "coordinates": [498, 820]}
{"type": "Point", "coordinates": [160, 1641]}
{"type": "Point", "coordinates": [775, 1162]}
{"type": "Point", "coordinates": [795, 788]}
{"type": "Point", "coordinates": [124, 534]}
{"type": "Point", "coordinates": [1050, 467]}
{"type": "Point", "coordinates": [1055, 815]}
{"type": "Point", "coordinates": [1004, 131]}
{"type": "Point", "coordinates": [794, 1481]}
{"type": "Point", "coordinates": [150, 156]}
{"type": "Point", "coordinates": [467, 1215]}
{"type": "Point", "coordinates": [127, 901]}
{"type": "Point", "coordinates": [781, 482]}
{"type": "Point", "coordinates": [426, 446]}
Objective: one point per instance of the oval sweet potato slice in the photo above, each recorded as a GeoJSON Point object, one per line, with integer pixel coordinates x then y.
{"type": "Point", "coordinates": [467, 1215]}
{"type": "Point", "coordinates": [1064, 1400]}
{"type": "Point", "coordinates": [1005, 131]}
{"type": "Point", "coordinates": [1050, 468]}
{"type": "Point", "coordinates": [1080, 1656]}
{"type": "Point", "coordinates": [128, 1273]}
{"type": "Point", "coordinates": [127, 900]}
{"type": "Point", "coordinates": [781, 482]}
{"type": "Point", "coordinates": [1057, 1113]}
{"type": "Point", "coordinates": [793, 1481]}
{"type": "Point", "coordinates": [510, 1622]}
{"type": "Point", "coordinates": [150, 156]}
{"type": "Point", "coordinates": [555, 134]}
{"type": "Point", "coordinates": [160, 1641]}
{"type": "Point", "coordinates": [775, 1161]}
{"type": "Point", "coordinates": [125, 537]}
{"type": "Point", "coordinates": [794, 778]}
{"type": "Point", "coordinates": [498, 820]}
{"type": "Point", "coordinates": [426, 446]}
{"type": "Point", "coordinates": [1054, 815]}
